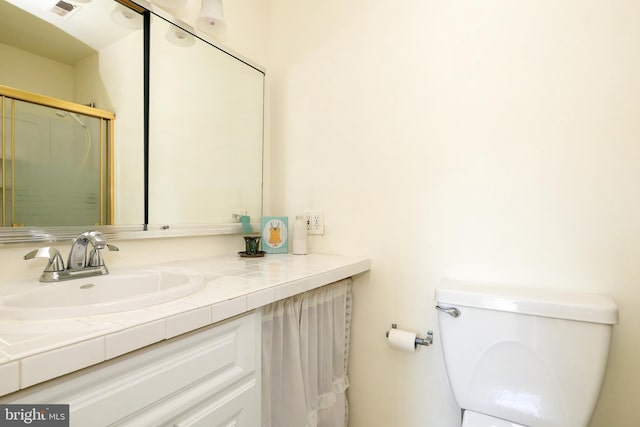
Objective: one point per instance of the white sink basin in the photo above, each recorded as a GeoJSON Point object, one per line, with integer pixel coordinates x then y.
{"type": "Point", "coordinates": [114, 292]}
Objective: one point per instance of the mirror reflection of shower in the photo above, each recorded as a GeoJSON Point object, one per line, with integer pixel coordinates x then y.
{"type": "Point", "coordinates": [55, 167]}
{"type": "Point", "coordinates": [87, 133]}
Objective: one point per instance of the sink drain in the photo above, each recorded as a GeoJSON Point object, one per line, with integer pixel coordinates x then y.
{"type": "Point", "coordinates": [87, 286]}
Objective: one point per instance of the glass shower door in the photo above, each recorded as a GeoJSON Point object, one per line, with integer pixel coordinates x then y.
{"type": "Point", "coordinates": [54, 167]}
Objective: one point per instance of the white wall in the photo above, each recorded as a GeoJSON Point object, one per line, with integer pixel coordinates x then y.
{"type": "Point", "coordinates": [113, 80]}
{"type": "Point", "coordinates": [120, 68]}
{"type": "Point", "coordinates": [491, 141]}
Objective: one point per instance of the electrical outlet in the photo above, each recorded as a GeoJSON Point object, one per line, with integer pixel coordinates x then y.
{"type": "Point", "coordinates": [314, 221]}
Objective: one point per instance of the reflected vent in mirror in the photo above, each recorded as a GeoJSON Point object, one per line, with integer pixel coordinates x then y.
{"type": "Point", "coordinates": [64, 9]}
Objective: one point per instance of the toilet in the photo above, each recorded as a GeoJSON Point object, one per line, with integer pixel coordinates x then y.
{"type": "Point", "coordinates": [524, 357]}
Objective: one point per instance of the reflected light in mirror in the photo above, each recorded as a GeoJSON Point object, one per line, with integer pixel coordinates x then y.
{"type": "Point", "coordinates": [126, 17]}
{"type": "Point", "coordinates": [179, 37]}
{"type": "Point", "coordinates": [211, 16]}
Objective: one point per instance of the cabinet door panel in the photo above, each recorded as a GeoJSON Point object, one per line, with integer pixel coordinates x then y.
{"type": "Point", "coordinates": [158, 382]}
{"type": "Point", "coordinates": [236, 408]}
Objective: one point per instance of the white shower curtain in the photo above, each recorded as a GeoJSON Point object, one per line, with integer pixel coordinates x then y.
{"type": "Point", "coordinates": [305, 353]}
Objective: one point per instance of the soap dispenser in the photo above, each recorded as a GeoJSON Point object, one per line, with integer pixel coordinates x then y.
{"type": "Point", "coordinates": [299, 244]}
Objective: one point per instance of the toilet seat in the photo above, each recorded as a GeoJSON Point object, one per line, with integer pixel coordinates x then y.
{"type": "Point", "coordinates": [474, 419]}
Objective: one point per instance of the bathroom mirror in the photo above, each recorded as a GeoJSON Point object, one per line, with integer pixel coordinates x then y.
{"type": "Point", "coordinates": [205, 131]}
{"type": "Point", "coordinates": [196, 120]}
{"type": "Point", "coordinates": [82, 56]}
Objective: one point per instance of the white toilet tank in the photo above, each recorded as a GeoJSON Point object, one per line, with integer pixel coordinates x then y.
{"type": "Point", "coordinates": [534, 357]}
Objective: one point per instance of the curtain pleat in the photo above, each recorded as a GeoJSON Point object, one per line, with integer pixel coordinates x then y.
{"type": "Point", "coordinates": [305, 353]}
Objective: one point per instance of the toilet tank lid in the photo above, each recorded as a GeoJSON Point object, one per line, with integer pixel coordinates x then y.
{"type": "Point", "coordinates": [532, 301]}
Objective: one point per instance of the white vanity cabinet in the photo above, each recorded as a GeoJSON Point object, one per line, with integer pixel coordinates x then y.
{"type": "Point", "coordinates": [209, 377]}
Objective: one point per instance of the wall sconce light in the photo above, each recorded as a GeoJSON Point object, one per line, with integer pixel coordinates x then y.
{"type": "Point", "coordinates": [126, 17]}
{"type": "Point", "coordinates": [211, 17]}
{"type": "Point", "coordinates": [170, 4]}
{"type": "Point", "coordinates": [179, 37]}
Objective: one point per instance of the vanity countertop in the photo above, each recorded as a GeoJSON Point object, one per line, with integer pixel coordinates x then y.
{"type": "Point", "coordinates": [32, 352]}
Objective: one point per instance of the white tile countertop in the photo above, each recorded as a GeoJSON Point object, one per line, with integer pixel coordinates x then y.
{"type": "Point", "coordinates": [35, 351]}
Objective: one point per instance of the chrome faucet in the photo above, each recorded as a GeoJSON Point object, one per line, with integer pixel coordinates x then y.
{"type": "Point", "coordinates": [79, 256]}
{"type": "Point", "coordinates": [84, 258]}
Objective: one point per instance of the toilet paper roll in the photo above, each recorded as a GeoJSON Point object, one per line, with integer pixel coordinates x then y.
{"type": "Point", "coordinates": [402, 340]}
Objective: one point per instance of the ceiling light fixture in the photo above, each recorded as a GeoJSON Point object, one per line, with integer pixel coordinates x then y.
{"type": "Point", "coordinates": [211, 17]}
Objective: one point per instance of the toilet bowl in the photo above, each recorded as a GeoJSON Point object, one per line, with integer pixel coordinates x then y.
{"type": "Point", "coordinates": [524, 357]}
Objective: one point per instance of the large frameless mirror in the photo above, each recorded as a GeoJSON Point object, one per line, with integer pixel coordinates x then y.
{"type": "Point", "coordinates": [205, 123]}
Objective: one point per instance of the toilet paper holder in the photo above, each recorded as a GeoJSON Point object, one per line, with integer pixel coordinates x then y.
{"type": "Point", "coordinates": [427, 341]}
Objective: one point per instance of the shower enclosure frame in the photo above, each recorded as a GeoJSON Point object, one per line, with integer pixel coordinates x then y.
{"type": "Point", "coordinates": [9, 95]}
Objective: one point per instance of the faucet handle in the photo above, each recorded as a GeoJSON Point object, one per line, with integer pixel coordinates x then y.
{"type": "Point", "coordinates": [95, 260]}
{"type": "Point", "coordinates": [97, 239]}
{"type": "Point", "coordinates": [52, 254]}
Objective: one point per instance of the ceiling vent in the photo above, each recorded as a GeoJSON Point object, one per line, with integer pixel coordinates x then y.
{"type": "Point", "coordinates": [63, 9]}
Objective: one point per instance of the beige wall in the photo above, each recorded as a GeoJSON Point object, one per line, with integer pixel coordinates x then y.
{"type": "Point", "coordinates": [23, 70]}
{"type": "Point", "coordinates": [491, 141]}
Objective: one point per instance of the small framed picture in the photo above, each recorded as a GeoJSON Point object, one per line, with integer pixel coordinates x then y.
{"type": "Point", "coordinates": [274, 234]}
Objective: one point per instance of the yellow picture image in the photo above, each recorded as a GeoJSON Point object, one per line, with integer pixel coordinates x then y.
{"type": "Point", "coordinates": [274, 234]}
